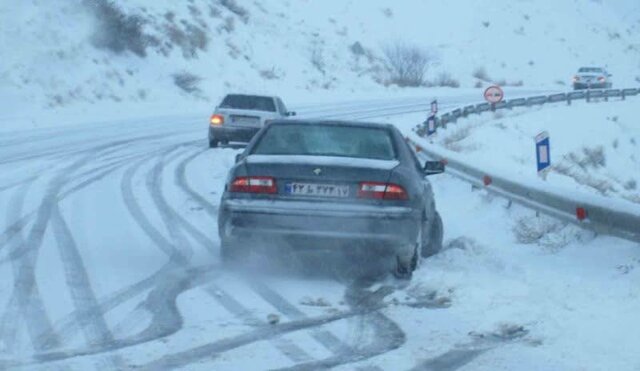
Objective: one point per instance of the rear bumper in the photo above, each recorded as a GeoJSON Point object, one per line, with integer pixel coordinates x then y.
{"type": "Point", "coordinates": [309, 225]}
{"type": "Point", "coordinates": [232, 134]}
{"type": "Point", "coordinates": [599, 85]}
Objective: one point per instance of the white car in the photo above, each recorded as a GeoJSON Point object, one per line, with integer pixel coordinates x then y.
{"type": "Point", "coordinates": [239, 117]}
{"type": "Point", "coordinates": [592, 78]}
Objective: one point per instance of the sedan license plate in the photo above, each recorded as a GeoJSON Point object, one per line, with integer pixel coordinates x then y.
{"type": "Point", "coordinates": [317, 190]}
{"type": "Point", "coordinates": [239, 120]}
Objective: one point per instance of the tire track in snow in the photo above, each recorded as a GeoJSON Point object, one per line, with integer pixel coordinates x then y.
{"type": "Point", "coordinates": [204, 275]}
{"type": "Point", "coordinates": [165, 284]}
{"type": "Point", "coordinates": [285, 346]}
{"type": "Point", "coordinates": [172, 220]}
{"type": "Point", "coordinates": [10, 321]}
{"type": "Point", "coordinates": [387, 336]}
{"type": "Point", "coordinates": [95, 328]}
{"type": "Point", "coordinates": [126, 187]}
{"type": "Point", "coordinates": [70, 324]}
{"type": "Point", "coordinates": [161, 302]}
{"type": "Point", "coordinates": [18, 183]}
{"type": "Point", "coordinates": [182, 182]}
{"type": "Point", "coordinates": [21, 221]}
{"type": "Point", "coordinates": [215, 348]}
{"type": "Point", "coordinates": [18, 225]}
{"type": "Point", "coordinates": [324, 337]}
{"type": "Point", "coordinates": [25, 298]}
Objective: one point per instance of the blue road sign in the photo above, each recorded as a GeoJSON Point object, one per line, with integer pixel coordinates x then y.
{"type": "Point", "coordinates": [543, 153]}
{"type": "Point", "coordinates": [434, 107]}
{"type": "Point", "coordinates": [431, 125]}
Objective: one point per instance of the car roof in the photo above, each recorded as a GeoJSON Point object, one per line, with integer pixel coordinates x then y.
{"type": "Point", "coordinates": [250, 95]}
{"type": "Point", "coordinates": [364, 124]}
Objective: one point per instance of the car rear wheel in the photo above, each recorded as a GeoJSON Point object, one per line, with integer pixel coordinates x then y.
{"type": "Point", "coordinates": [404, 267]}
{"type": "Point", "coordinates": [213, 143]}
{"type": "Point", "coordinates": [433, 240]}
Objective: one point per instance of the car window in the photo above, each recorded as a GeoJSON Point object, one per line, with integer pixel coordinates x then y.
{"type": "Point", "coordinates": [326, 140]}
{"type": "Point", "coordinates": [591, 70]}
{"type": "Point", "coordinates": [249, 102]}
{"type": "Point", "coordinates": [281, 106]}
{"type": "Point", "coordinates": [414, 157]}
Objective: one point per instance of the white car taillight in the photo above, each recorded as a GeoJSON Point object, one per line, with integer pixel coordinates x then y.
{"type": "Point", "coordinates": [254, 184]}
{"type": "Point", "coordinates": [381, 191]}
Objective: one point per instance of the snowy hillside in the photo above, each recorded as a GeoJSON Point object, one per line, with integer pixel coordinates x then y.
{"type": "Point", "coordinates": [144, 58]}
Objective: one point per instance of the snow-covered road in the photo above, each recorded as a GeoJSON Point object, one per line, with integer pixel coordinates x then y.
{"type": "Point", "coordinates": [108, 260]}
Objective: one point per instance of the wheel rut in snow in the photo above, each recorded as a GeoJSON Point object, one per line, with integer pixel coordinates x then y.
{"type": "Point", "coordinates": [26, 299]}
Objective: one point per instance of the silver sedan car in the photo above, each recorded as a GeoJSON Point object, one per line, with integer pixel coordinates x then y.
{"type": "Point", "coordinates": [344, 187]}
{"type": "Point", "coordinates": [592, 78]}
{"type": "Point", "coordinates": [239, 117]}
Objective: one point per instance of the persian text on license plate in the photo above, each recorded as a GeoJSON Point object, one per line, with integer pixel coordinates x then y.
{"type": "Point", "coordinates": [318, 190]}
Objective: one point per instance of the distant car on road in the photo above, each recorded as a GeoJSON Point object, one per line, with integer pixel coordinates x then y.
{"type": "Point", "coordinates": [592, 78]}
{"type": "Point", "coordinates": [239, 117]}
{"type": "Point", "coordinates": [348, 187]}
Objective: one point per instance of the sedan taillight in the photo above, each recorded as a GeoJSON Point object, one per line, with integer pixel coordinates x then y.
{"type": "Point", "coordinates": [576, 78]}
{"type": "Point", "coordinates": [216, 120]}
{"type": "Point", "coordinates": [254, 184]}
{"type": "Point", "coordinates": [601, 79]}
{"type": "Point", "coordinates": [381, 191]}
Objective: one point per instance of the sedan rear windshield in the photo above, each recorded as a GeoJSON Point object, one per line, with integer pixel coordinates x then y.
{"type": "Point", "coordinates": [590, 69]}
{"type": "Point", "coordinates": [326, 140]}
{"type": "Point", "coordinates": [250, 102]}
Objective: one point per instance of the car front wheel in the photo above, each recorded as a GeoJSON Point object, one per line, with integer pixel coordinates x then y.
{"type": "Point", "coordinates": [213, 143]}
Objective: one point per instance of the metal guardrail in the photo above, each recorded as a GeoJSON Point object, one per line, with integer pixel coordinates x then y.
{"type": "Point", "coordinates": [604, 215]}
{"type": "Point", "coordinates": [568, 98]}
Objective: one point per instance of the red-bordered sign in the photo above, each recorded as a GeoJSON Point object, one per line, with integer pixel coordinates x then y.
{"type": "Point", "coordinates": [493, 94]}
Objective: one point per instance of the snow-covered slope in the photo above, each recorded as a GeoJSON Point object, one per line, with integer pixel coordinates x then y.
{"type": "Point", "coordinates": [63, 60]}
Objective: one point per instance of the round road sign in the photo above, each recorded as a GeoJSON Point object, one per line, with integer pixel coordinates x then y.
{"type": "Point", "coordinates": [493, 94]}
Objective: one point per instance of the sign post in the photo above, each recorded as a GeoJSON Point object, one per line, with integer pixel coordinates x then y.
{"type": "Point", "coordinates": [493, 94]}
{"type": "Point", "coordinates": [431, 125]}
{"type": "Point", "coordinates": [543, 154]}
{"type": "Point", "coordinates": [434, 107]}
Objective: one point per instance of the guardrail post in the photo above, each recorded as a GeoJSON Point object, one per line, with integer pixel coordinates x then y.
{"type": "Point", "coordinates": [493, 107]}
{"type": "Point", "coordinates": [622, 95]}
{"type": "Point", "coordinates": [588, 96]}
{"type": "Point", "coordinates": [568, 100]}
{"type": "Point", "coordinates": [606, 96]}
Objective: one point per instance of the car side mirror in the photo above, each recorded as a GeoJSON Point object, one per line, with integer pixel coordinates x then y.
{"type": "Point", "coordinates": [238, 157]}
{"type": "Point", "coordinates": [291, 113]}
{"type": "Point", "coordinates": [433, 167]}
{"type": "Point", "coordinates": [609, 75]}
